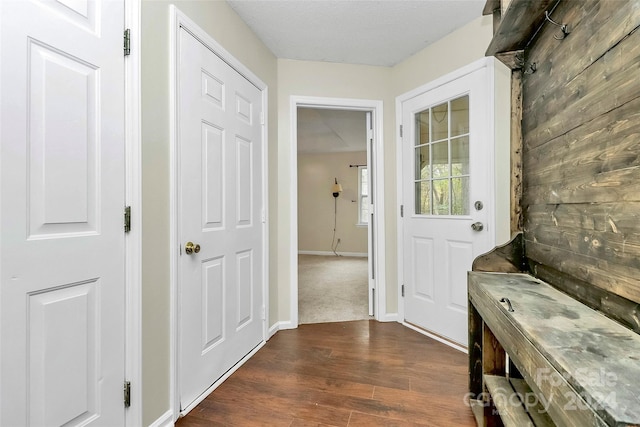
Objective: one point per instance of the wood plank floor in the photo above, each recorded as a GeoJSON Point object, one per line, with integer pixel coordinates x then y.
{"type": "Point", "coordinates": [361, 373]}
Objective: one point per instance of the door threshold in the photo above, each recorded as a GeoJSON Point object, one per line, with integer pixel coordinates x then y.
{"type": "Point", "coordinates": [436, 337]}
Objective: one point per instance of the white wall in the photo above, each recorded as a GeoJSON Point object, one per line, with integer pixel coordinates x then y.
{"type": "Point", "coordinates": [316, 208]}
{"type": "Point", "coordinates": [222, 23]}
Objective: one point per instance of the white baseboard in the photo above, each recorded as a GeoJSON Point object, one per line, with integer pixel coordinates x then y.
{"type": "Point", "coordinates": [273, 329]}
{"type": "Point", "coordinates": [165, 420]}
{"type": "Point", "coordinates": [389, 317]}
{"type": "Point", "coordinates": [437, 338]}
{"type": "Point", "coordinates": [329, 253]}
{"type": "Point", "coordinates": [222, 379]}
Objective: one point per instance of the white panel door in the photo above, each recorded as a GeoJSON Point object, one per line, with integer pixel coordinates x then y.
{"type": "Point", "coordinates": [62, 198]}
{"type": "Point", "coordinates": [220, 211]}
{"type": "Point", "coordinates": [446, 170]}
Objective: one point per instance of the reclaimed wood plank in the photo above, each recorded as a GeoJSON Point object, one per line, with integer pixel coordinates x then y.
{"type": "Point", "coordinates": [606, 143]}
{"type": "Point", "coordinates": [605, 187]}
{"type": "Point", "coordinates": [506, 400]}
{"type": "Point", "coordinates": [622, 218]}
{"type": "Point", "coordinates": [519, 23]}
{"type": "Point", "coordinates": [622, 310]}
{"type": "Point", "coordinates": [620, 280]}
{"type": "Point", "coordinates": [605, 246]}
{"type": "Point", "coordinates": [532, 403]}
{"type": "Point", "coordinates": [595, 25]}
{"type": "Point", "coordinates": [516, 152]}
{"type": "Point", "coordinates": [593, 354]}
{"type": "Point", "coordinates": [602, 87]}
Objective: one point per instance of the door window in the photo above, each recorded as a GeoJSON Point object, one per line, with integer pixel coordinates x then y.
{"type": "Point", "coordinates": [441, 156]}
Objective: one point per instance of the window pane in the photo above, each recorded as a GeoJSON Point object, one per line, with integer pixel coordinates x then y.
{"type": "Point", "coordinates": [439, 122]}
{"type": "Point", "coordinates": [440, 153]}
{"type": "Point", "coordinates": [460, 156]}
{"type": "Point", "coordinates": [460, 196]}
{"type": "Point", "coordinates": [441, 197]}
{"type": "Point", "coordinates": [423, 204]}
{"type": "Point", "coordinates": [422, 127]}
{"type": "Point", "coordinates": [422, 163]}
{"type": "Point", "coordinates": [460, 116]}
{"type": "Point", "coordinates": [364, 212]}
{"type": "Point", "coordinates": [364, 184]}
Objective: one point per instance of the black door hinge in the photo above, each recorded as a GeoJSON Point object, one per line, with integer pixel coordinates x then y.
{"type": "Point", "coordinates": [127, 394]}
{"type": "Point", "coordinates": [127, 42]}
{"type": "Point", "coordinates": [127, 219]}
{"type": "Point", "coordinates": [402, 290]}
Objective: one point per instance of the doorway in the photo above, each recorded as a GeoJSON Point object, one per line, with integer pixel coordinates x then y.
{"type": "Point", "coordinates": [345, 201]}
{"type": "Point", "coordinates": [333, 216]}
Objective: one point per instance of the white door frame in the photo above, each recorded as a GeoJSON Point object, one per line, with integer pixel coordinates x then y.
{"type": "Point", "coordinates": [499, 154]}
{"type": "Point", "coordinates": [133, 198]}
{"type": "Point", "coordinates": [375, 107]}
{"type": "Point", "coordinates": [179, 20]}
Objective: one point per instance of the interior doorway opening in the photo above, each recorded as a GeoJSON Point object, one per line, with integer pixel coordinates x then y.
{"type": "Point", "coordinates": [356, 217]}
{"type": "Point", "coordinates": [333, 215]}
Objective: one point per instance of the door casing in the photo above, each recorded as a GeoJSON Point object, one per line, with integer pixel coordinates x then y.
{"type": "Point", "coordinates": [498, 125]}
{"type": "Point", "coordinates": [378, 245]}
{"type": "Point", "coordinates": [181, 20]}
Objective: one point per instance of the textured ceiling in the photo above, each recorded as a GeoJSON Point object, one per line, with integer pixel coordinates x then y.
{"type": "Point", "coordinates": [372, 32]}
{"type": "Point", "coordinates": [324, 131]}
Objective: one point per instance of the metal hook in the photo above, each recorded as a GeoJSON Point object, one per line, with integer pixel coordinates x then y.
{"type": "Point", "coordinates": [563, 27]}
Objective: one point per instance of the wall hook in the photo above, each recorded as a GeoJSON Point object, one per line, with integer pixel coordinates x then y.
{"type": "Point", "coordinates": [531, 68]}
{"type": "Point", "coordinates": [563, 27]}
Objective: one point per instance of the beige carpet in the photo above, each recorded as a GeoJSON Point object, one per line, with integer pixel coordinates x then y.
{"type": "Point", "coordinates": [332, 289]}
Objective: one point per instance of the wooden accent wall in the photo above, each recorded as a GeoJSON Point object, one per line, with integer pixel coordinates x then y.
{"type": "Point", "coordinates": [581, 154]}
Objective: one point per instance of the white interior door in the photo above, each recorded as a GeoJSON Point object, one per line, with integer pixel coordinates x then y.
{"type": "Point", "coordinates": [220, 211]}
{"type": "Point", "coordinates": [62, 197]}
{"type": "Point", "coordinates": [448, 200]}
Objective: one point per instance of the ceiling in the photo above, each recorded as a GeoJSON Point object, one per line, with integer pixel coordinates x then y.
{"type": "Point", "coordinates": [331, 131]}
{"type": "Point", "coordinates": [371, 32]}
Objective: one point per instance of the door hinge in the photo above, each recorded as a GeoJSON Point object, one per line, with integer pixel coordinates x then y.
{"type": "Point", "coordinates": [127, 394]}
{"type": "Point", "coordinates": [400, 131]}
{"type": "Point", "coordinates": [264, 313]}
{"type": "Point", "coordinates": [127, 219]}
{"type": "Point", "coordinates": [402, 289]}
{"type": "Point", "coordinates": [401, 211]}
{"type": "Point", "coordinates": [127, 42]}
{"type": "Point", "coordinates": [261, 117]}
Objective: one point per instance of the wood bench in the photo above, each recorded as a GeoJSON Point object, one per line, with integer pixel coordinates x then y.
{"type": "Point", "coordinates": [568, 364]}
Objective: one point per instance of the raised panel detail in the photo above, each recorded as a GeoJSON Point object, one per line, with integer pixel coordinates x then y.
{"type": "Point", "coordinates": [244, 263]}
{"type": "Point", "coordinates": [459, 255]}
{"type": "Point", "coordinates": [63, 347]}
{"type": "Point", "coordinates": [212, 89]}
{"type": "Point", "coordinates": [63, 140]}
{"type": "Point", "coordinates": [213, 169]}
{"type": "Point", "coordinates": [243, 108]}
{"type": "Point", "coordinates": [83, 13]}
{"type": "Point", "coordinates": [213, 307]}
{"type": "Point", "coordinates": [423, 268]}
{"type": "Point", "coordinates": [244, 176]}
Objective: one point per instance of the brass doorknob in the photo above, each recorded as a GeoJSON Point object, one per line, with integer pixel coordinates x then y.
{"type": "Point", "coordinates": [190, 248]}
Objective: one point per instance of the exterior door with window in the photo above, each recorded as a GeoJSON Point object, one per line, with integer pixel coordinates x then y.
{"type": "Point", "coordinates": [447, 195]}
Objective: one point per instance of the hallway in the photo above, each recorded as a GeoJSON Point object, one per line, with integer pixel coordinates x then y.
{"type": "Point", "coordinates": [361, 373]}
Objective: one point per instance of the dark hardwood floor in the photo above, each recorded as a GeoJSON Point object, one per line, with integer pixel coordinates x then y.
{"type": "Point", "coordinates": [362, 373]}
